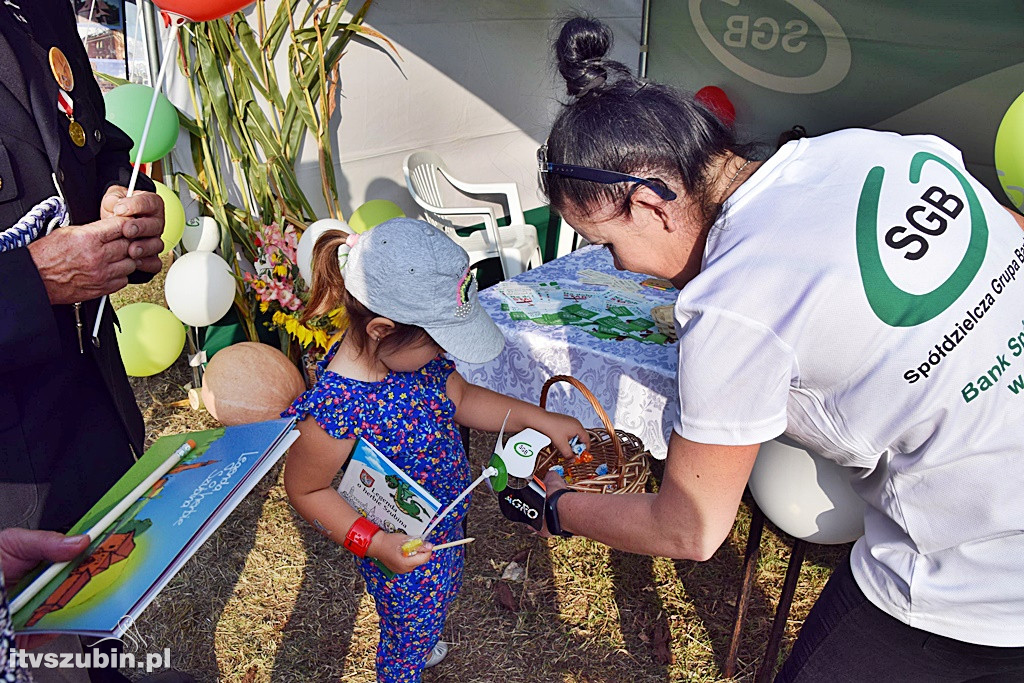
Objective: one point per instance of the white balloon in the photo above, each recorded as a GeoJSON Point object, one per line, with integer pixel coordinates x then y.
{"type": "Point", "coordinates": [201, 234]}
{"type": "Point", "coordinates": [806, 495]}
{"type": "Point", "coordinates": [199, 288]}
{"type": "Point", "coordinates": [304, 252]}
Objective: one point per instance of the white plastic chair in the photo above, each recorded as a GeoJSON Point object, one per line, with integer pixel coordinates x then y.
{"type": "Point", "coordinates": [568, 239]}
{"type": "Point", "coordinates": [515, 245]}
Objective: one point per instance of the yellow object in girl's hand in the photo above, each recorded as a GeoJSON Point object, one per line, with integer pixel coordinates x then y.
{"type": "Point", "coordinates": [409, 547]}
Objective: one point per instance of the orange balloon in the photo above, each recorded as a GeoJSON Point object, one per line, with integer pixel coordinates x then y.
{"type": "Point", "coordinates": [250, 382]}
{"type": "Point", "coordinates": [202, 10]}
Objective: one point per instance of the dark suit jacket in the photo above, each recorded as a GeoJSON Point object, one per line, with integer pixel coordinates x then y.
{"type": "Point", "coordinates": [68, 421]}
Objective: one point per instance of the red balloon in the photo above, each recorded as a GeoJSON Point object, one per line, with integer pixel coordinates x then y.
{"type": "Point", "coordinates": [201, 10]}
{"type": "Point", "coordinates": [715, 99]}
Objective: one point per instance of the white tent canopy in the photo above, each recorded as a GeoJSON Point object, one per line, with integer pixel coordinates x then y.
{"type": "Point", "coordinates": [475, 84]}
{"type": "Point", "coordinates": [475, 80]}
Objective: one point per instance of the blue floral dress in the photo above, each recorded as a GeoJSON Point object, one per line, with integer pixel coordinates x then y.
{"type": "Point", "coordinates": [409, 417]}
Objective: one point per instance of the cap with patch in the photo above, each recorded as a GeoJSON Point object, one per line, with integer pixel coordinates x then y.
{"type": "Point", "coordinates": [413, 273]}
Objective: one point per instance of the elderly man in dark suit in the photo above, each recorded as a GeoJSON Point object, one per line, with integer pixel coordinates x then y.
{"type": "Point", "coordinates": [69, 424]}
{"type": "Point", "coordinates": [68, 420]}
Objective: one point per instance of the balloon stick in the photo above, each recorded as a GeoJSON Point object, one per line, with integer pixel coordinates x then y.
{"type": "Point", "coordinates": [171, 41]}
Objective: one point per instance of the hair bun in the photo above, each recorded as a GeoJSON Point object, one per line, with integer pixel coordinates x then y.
{"type": "Point", "coordinates": [580, 52]}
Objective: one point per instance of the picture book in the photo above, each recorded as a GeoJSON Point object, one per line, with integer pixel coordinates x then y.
{"type": "Point", "coordinates": [104, 591]}
{"type": "Point", "coordinates": [380, 491]}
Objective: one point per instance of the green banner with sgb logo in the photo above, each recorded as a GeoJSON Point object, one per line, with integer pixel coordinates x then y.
{"type": "Point", "coordinates": [947, 67]}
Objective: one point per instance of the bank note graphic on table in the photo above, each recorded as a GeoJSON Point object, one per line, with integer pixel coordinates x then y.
{"type": "Point", "coordinates": [105, 590]}
{"type": "Point", "coordinates": [600, 311]}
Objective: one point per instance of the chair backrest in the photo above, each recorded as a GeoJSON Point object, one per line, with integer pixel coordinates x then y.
{"type": "Point", "coordinates": [519, 247]}
{"type": "Point", "coordinates": [421, 171]}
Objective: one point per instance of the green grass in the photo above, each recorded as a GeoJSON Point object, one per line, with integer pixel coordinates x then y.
{"type": "Point", "coordinates": [267, 599]}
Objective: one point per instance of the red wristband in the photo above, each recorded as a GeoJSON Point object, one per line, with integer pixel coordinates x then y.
{"type": "Point", "coordinates": [359, 535]}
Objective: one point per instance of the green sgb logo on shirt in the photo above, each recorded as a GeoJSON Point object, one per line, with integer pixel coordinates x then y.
{"type": "Point", "coordinates": [922, 227]}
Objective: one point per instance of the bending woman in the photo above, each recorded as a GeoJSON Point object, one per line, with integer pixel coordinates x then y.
{"type": "Point", "coordinates": [858, 292]}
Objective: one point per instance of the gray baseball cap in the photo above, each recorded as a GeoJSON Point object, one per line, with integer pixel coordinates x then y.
{"type": "Point", "coordinates": [413, 273]}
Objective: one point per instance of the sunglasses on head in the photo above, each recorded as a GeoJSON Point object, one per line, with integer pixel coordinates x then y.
{"type": "Point", "coordinates": [598, 175]}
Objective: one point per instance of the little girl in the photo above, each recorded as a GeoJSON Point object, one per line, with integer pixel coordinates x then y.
{"type": "Point", "coordinates": [409, 295]}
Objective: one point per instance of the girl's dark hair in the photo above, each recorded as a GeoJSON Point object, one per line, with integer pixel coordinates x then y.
{"type": "Point", "coordinates": [620, 123]}
{"type": "Point", "coordinates": [328, 292]}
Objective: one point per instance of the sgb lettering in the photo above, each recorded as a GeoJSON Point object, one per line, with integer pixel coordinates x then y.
{"type": "Point", "coordinates": [931, 220]}
{"type": "Point", "coordinates": [766, 33]}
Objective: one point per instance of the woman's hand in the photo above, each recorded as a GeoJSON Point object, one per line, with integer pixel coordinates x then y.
{"type": "Point", "coordinates": [21, 550]}
{"type": "Point", "coordinates": [561, 429]}
{"type": "Point", "coordinates": [552, 483]}
{"type": "Point", "coordinates": [387, 548]}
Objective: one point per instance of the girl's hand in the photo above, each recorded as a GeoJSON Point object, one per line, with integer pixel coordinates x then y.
{"type": "Point", "coordinates": [561, 429]}
{"type": "Point", "coordinates": [387, 548]}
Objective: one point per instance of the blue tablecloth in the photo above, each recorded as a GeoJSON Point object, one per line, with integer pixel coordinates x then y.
{"type": "Point", "coordinates": [635, 382]}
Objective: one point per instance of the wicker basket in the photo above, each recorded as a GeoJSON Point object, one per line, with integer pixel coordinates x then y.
{"type": "Point", "coordinates": [624, 453]}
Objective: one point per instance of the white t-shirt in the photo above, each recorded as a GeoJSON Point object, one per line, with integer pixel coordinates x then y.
{"type": "Point", "coordinates": [863, 295]}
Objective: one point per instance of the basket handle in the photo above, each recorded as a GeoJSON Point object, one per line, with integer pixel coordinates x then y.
{"type": "Point", "coordinates": [620, 458]}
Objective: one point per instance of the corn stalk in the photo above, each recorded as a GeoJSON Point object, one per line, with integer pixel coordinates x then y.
{"type": "Point", "coordinates": [248, 125]}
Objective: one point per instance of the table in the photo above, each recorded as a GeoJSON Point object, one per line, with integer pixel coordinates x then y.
{"type": "Point", "coordinates": [634, 381]}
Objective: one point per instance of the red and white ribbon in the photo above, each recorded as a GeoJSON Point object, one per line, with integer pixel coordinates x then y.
{"type": "Point", "coordinates": [65, 103]}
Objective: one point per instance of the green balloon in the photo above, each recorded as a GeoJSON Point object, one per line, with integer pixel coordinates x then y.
{"type": "Point", "coordinates": [127, 106]}
{"type": "Point", "coordinates": [373, 213]}
{"type": "Point", "coordinates": [150, 338]}
{"type": "Point", "coordinates": [1010, 153]}
{"type": "Point", "coordinates": [174, 217]}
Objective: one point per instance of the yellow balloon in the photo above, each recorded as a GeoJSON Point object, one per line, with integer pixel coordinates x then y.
{"type": "Point", "coordinates": [373, 213]}
{"type": "Point", "coordinates": [174, 216]}
{"type": "Point", "coordinates": [1009, 153]}
{"type": "Point", "coordinates": [150, 338]}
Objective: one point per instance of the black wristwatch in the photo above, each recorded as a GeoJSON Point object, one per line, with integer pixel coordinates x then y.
{"type": "Point", "coordinates": [551, 514]}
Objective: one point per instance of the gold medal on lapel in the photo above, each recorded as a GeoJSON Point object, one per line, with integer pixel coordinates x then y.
{"type": "Point", "coordinates": [67, 106]}
{"type": "Point", "coordinates": [61, 69]}
{"type": "Point", "coordinates": [77, 133]}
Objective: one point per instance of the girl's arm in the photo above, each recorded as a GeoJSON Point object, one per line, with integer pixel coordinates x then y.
{"type": "Point", "coordinates": [479, 408]}
{"type": "Point", "coordinates": [313, 461]}
{"type": "Point", "coordinates": [688, 518]}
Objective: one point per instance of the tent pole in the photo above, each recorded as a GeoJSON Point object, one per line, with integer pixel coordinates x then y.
{"type": "Point", "coordinates": [151, 25]}
{"type": "Point", "coordinates": [645, 26]}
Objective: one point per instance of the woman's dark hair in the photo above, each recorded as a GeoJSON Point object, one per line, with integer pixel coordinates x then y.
{"type": "Point", "coordinates": [328, 293]}
{"type": "Point", "coordinates": [795, 133]}
{"type": "Point", "coordinates": [620, 123]}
